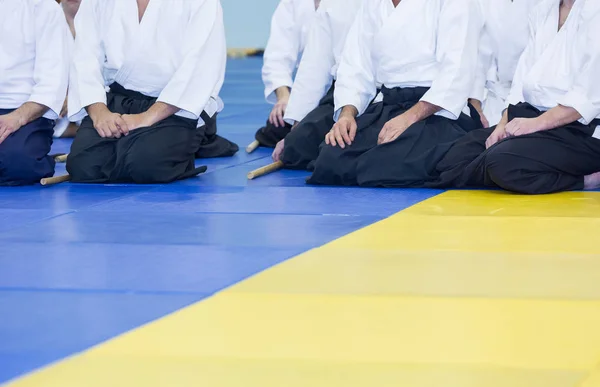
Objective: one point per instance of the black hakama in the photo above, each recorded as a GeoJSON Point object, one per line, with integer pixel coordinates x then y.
{"type": "Point", "coordinates": [544, 162]}
{"type": "Point", "coordinates": [213, 145]}
{"type": "Point", "coordinates": [302, 144]}
{"type": "Point", "coordinates": [408, 161]}
{"type": "Point", "coordinates": [269, 135]}
{"type": "Point", "coordinates": [24, 156]}
{"type": "Point", "coordinates": [161, 153]}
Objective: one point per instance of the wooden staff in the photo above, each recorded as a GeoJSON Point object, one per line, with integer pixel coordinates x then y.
{"type": "Point", "coordinates": [265, 170]}
{"type": "Point", "coordinates": [61, 158]}
{"type": "Point", "coordinates": [252, 147]}
{"type": "Point", "coordinates": [55, 180]}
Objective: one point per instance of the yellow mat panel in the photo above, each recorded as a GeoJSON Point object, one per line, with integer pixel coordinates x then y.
{"type": "Point", "coordinates": [468, 289]}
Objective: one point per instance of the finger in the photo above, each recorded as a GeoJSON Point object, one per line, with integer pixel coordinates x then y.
{"type": "Point", "coordinates": [485, 122]}
{"type": "Point", "coordinates": [280, 115]}
{"type": "Point", "coordinates": [382, 135]}
{"type": "Point", "coordinates": [271, 118]}
{"type": "Point", "coordinates": [327, 139]}
{"type": "Point", "coordinates": [332, 140]}
{"type": "Point", "coordinates": [122, 125]}
{"type": "Point", "coordinates": [275, 121]}
{"type": "Point", "coordinates": [114, 130]}
{"type": "Point", "coordinates": [100, 131]}
{"type": "Point", "coordinates": [339, 138]}
{"type": "Point", "coordinates": [345, 132]}
{"type": "Point", "coordinates": [3, 135]}
{"type": "Point", "coordinates": [353, 128]}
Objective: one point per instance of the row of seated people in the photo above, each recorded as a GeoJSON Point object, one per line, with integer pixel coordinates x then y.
{"type": "Point", "coordinates": [437, 93]}
{"type": "Point", "coordinates": [141, 77]}
{"type": "Point", "coordinates": [388, 93]}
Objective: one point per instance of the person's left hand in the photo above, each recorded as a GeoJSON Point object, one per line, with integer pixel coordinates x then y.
{"type": "Point", "coordinates": [393, 129]}
{"type": "Point", "coordinates": [522, 126]}
{"type": "Point", "coordinates": [136, 121]}
{"type": "Point", "coordinates": [278, 150]}
{"type": "Point", "coordinates": [9, 123]}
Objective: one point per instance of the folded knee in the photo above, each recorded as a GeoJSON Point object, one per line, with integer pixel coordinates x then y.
{"type": "Point", "coordinates": [505, 169]}
{"type": "Point", "coordinates": [333, 168]}
{"type": "Point", "coordinates": [20, 168]}
{"type": "Point", "coordinates": [84, 167]}
{"type": "Point", "coordinates": [145, 169]}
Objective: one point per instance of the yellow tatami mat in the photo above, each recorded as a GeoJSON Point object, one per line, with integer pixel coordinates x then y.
{"type": "Point", "coordinates": [468, 289]}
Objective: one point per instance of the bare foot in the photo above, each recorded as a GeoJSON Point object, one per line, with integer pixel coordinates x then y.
{"type": "Point", "coordinates": [592, 181]}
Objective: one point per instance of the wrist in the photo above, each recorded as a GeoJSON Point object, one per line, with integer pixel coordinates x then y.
{"type": "Point", "coordinates": [349, 111]}
{"type": "Point", "coordinates": [541, 123]}
{"type": "Point", "coordinates": [147, 119]}
{"type": "Point", "coordinates": [95, 110]}
{"type": "Point", "coordinates": [476, 103]}
{"type": "Point", "coordinates": [410, 117]}
{"type": "Point", "coordinates": [282, 94]}
{"type": "Point", "coordinates": [20, 117]}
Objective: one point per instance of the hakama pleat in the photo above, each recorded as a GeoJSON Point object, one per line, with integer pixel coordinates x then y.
{"type": "Point", "coordinates": [213, 145]}
{"type": "Point", "coordinates": [24, 156]}
{"type": "Point", "coordinates": [408, 161]}
{"type": "Point", "coordinates": [302, 144]}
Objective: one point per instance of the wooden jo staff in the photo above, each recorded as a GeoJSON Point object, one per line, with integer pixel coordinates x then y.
{"type": "Point", "coordinates": [55, 180]}
{"type": "Point", "coordinates": [265, 170]}
{"type": "Point", "coordinates": [252, 147]}
{"type": "Point", "coordinates": [61, 158]}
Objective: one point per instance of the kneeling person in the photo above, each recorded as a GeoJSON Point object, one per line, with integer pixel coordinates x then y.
{"type": "Point", "coordinates": [290, 26]}
{"type": "Point", "coordinates": [310, 108]}
{"type": "Point", "coordinates": [162, 62]}
{"type": "Point", "coordinates": [549, 138]}
{"type": "Point", "coordinates": [423, 53]}
{"type": "Point", "coordinates": [34, 67]}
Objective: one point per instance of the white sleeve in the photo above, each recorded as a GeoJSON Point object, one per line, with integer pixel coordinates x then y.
{"type": "Point", "coordinates": [457, 44]}
{"type": "Point", "coordinates": [282, 51]}
{"type": "Point", "coordinates": [484, 64]}
{"type": "Point", "coordinates": [51, 68]}
{"type": "Point", "coordinates": [202, 69]}
{"type": "Point", "coordinates": [86, 85]}
{"type": "Point", "coordinates": [526, 61]}
{"type": "Point", "coordinates": [314, 74]}
{"type": "Point", "coordinates": [584, 95]}
{"type": "Point", "coordinates": [355, 84]}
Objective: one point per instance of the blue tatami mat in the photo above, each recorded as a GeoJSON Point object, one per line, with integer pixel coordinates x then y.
{"type": "Point", "coordinates": [80, 264]}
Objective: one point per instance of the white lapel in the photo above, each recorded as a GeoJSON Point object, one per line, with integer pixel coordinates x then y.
{"type": "Point", "coordinates": [138, 33]}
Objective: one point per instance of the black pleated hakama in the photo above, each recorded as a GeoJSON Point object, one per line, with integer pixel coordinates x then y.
{"type": "Point", "coordinates": [162, 153]}
{"type": "Point", "coordinates": [302, 144]}
{"type": "Point", "coordinates": [539, 163]}
{"type": "Point", "coordinates": [408, 161]}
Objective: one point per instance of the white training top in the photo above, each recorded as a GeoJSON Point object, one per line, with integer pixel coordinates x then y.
{"type": "Point", "coordinates": [504, 37]}
{"type": "Point", "coordinates": [290, 25]}
{"type": "Point", "coordinates": [425, 43]}
{"type": "Point", "coordinates": [561, 67]}
{"type": "Point", "coordinates": [177, 53]}
{"type": "Point", "coordinates": [34, 60]}
{"type": "Point", "coordinates": [321, 56]}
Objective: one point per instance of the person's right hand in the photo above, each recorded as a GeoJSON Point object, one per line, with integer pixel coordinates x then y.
{"type": "Point", "coordinates": [497, 135]}
{"type": "Point", "coordinates": [278, 112]}
{"type": "Point", "coordinates": [343, 132]}
{"type": "Point", "coordinates": [106, 123]}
